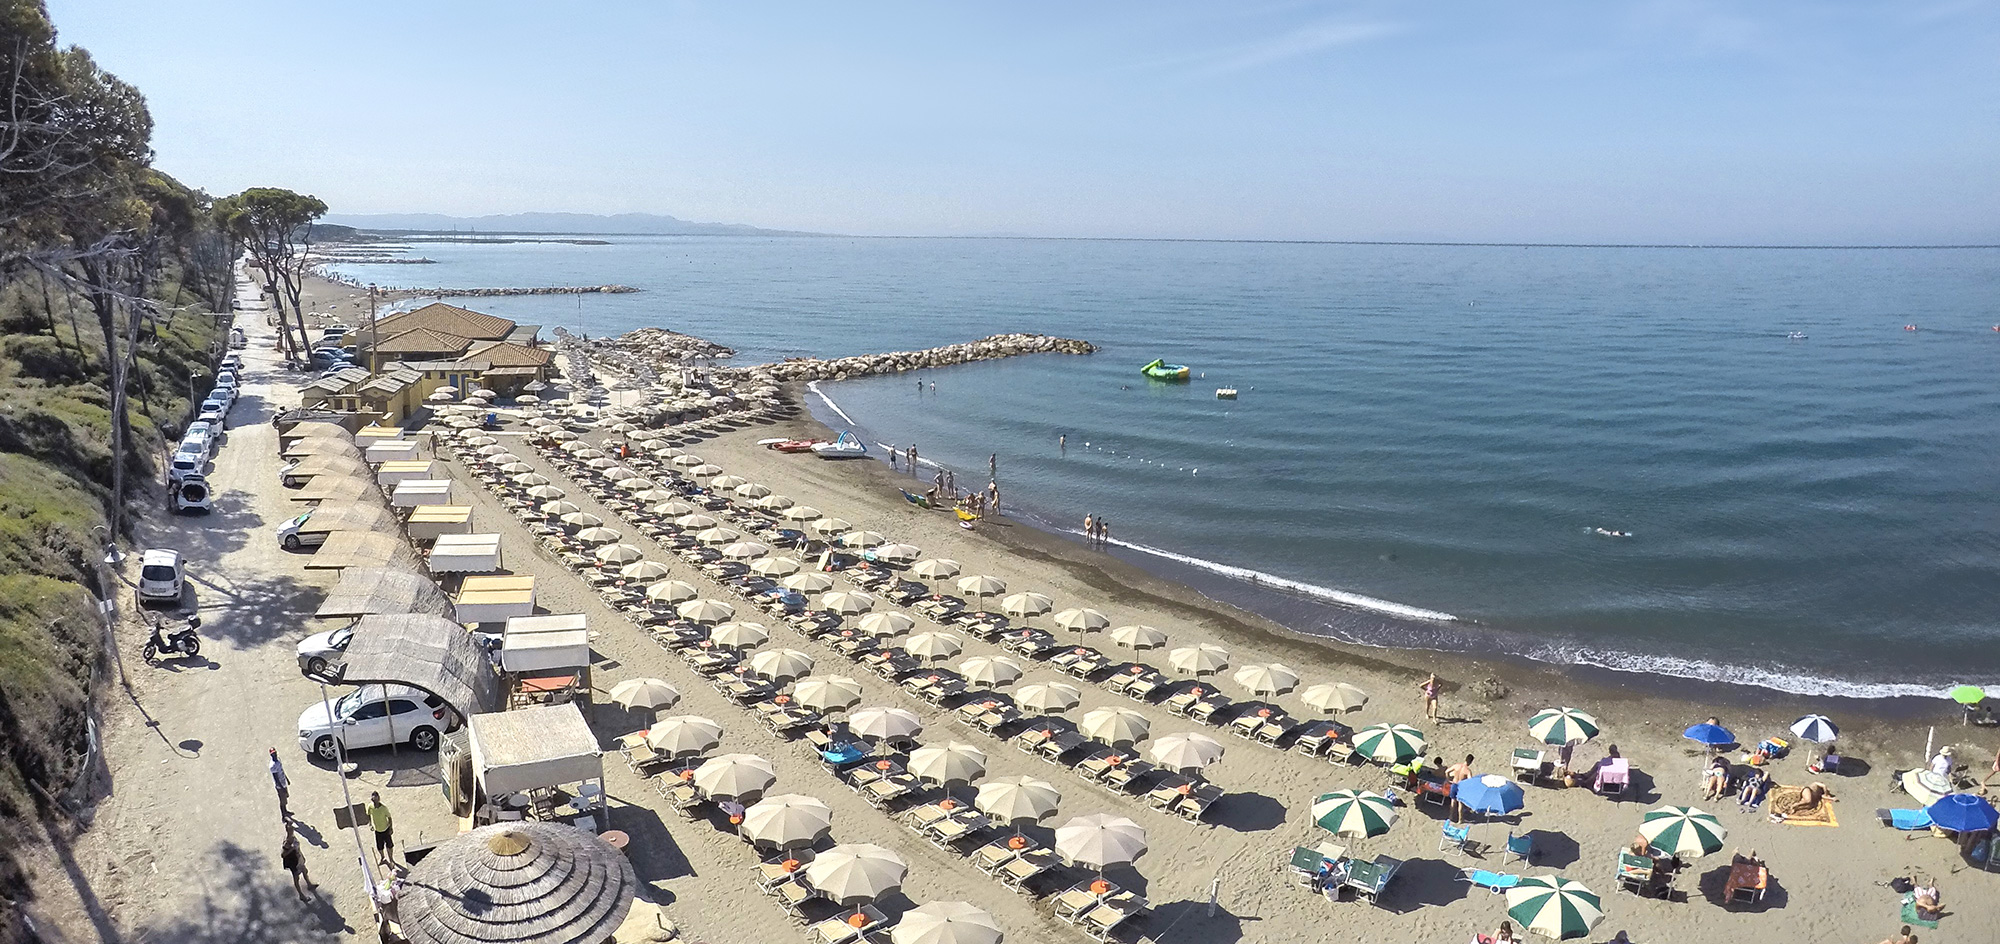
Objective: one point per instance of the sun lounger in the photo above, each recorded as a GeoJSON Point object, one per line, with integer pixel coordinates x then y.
{"type": "Point", "coordinates": [1746, 883]}
{"type": "Point", "coordinates": [1195, 804]}
{"type": "Point", "coordinates": [953, 829]}
{"type": "Point", "coordinates": [1275, 728]}
{"type": "Point", "coordinates": [1098, 922]}
{"type": "Point", "coordinates": [971, 710]}
{"type": "Point", "coordinates": [1370, 879]}
{"type": "Point", "coordinates": [1168, 792]}
{"type": "Point", "coordinates": [1180, 702]}
{"type": "Point", "coordinates": [1205, 709]}
{"type": "Point", "coordinates": [773, 871]}
{"type": "Point", "coordinates": [1495, 882]}
{"type": "Point", "coordinates": [1025, 867]}
{"type": "Point", "coordinates": [794, 895]}
{"type": "Point", "coordinates": [991, 722]}
{"type": "Point", "coordinates": [1072, 902]}
{"type": "Point", "coordinates": [1125, 777]}
{"type": "Point", "coordinates": [1635, 872]}
{"type": "Point", "coordinates": [1142, 687]}
{"type": "Point", "coordinates": [887, 790]}
{"type": "Point", "coordinates": [681, 795]}
{"type": "Point", "coordinates": [1244, 725]}
{"type": "Point", "coordinates": [990, 857]}
{"type": "Point", "coordinates": [840, 929]}
{"type": "Point", "coordinates": [1053, 749]}
{"type": "Point", "coordinates": [1904, 819]}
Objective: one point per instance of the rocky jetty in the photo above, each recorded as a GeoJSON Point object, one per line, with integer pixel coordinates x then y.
{"type": "Point", "coordinates": [647, 347]}
{"type": "Point", "coordinates": [540, 290]}
{"type": "Point", "coordinates": [798, 370]}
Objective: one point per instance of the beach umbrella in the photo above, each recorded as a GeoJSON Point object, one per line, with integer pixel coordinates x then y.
{"type": "Point", "coordinates": [848, 536]}
{"type": "Point", "coordinates": [581, 519]}
{"type": "Point", "coordinates": [488, 884]}
{"type": "Point", "coordinates": [886, 623]}
{"type": "Point", "coordinates": [1555, 906]}
{"type": "Point", "coordinates": [1818, 729]}
{"type": "Point", "coordinates": [1186, 752]}
{"type": "Point", "coordinates": [734, 776]}
{"type": "Point", "coordinates": [737, 635]}
{"type": "Point", "coordinates": [577, 447]}
{"type": "Point", "coordinates": [645, 693]}
{"type": "Point", "coordinates": [1683, 831]}
{"type": "Point", "coordinates": [599, 535]}
{"type": "Point", "coordinates": [1100, 840]}
{"type": "Point", "coordinates": [561, 435]}
{"type": "Point", "coordinates": [1563, 726]}
{"type": "Point", "coordinates": [1138, 637]}
{"type": "Point", "coordinates": [1048, 697]}
{"type": "Point", "coordinates": [846, 602]}
{"type": "Point", "coordinates": [933, 647]}
{"type": "Point", "coordinates": [878, 724]}
{"type": "Point", "coordinates": [799, 513]}
{"type": "Point", "coordinates": [687, 460]}
{"type": "Point", "coordinates": [1967, 694]}
{"type": "Point", "coordinates": [527, 399]}
{"type": "Point", "coordinates": [491, 447]}
{"type": "Point", "coordinates": [683, 735]}
{"type": "Point", "coordinates": [946, 922]}
{"type": "Point", "coordinates": [695, 521]}
{"type": "Point", "coordinates": [982, 585]}
{"type": "Point", "coordinates": [480, 440]}
{"type": "Point", "coordinates": [773, 503]}
{"type": "Point", "coordinates": [714, 536]}
{"type": "Point", "coordinates": [781, 663]}
{"type": "Point", "coordinates": [635, 483]}
{"type": "Point", "coordinates": [1709, 734]}
{"type": "Point", "coordinates": [831, 528]}
{"type": "Point", "coordinates": [1267, 679]}
{"type": "Point", "coordinates": [619, 553]}
{"type": "Point", "coordinates": [745, 550]}
{"type": "Point", "coordinates": [990, 672]}
{"type": "Point", "coordinates": [674, 509]}
{"type": "Point", "coordinates": [751, 490]}
{"type": "Point", "coordinates": [1963, 813]}
{"type": "Point", "coordinates": [775, 566]}
{"type": "Point", "coordinates": [705, 611]}
{"type": "Point", "coordinates": [704, 470]}
{"type": "Point", "coordinates": [602, 462]}
{"type": "Point", "coordinates": [546, 493]}
{"type": "Point", "coordinates": [827, 692]}
{"type": "Point", "coordinates": [1081, 620]}
{"type": "Point", "coordinates": [643, 570]}
{"type": "Point", "coordinates": [557, 507]}
{"type": "Point", "coordinates": [951, 761]}
{"type": "Point", "coordinates": [1017, 800]}
{"type": "Point", "coordinates": [1357, 814]}
{"type": "Point", "coordinates": [788, 820]}
{"type": "Point", "coordinates": [1204, 659]}
{"type": "Point", "coordinates": [1491, 794]}
{"type": "Point", "coordinates": [655, 495]}
{"type": "Point", "coordinates": [1115, 726]}
{"type": "Point", "coordinates": [851, 873]}
{"type": "Point", "coordinates": [898, 552]}
{"type": "Point", "coordinates": [1389, 743]}
{"type": "Point", "coordinates": [1334, 698]}
{"type": "Point", "coordinates": [728, 481]}
{"type": "Point", "coordinates": [530, 479]}
{"type": "Point", "coordinates": [936, 568]}
{"type": "Point", "coordinates": [1025, 605]}
{"type": "Point", "coordinates": [811, 581]}
{"type": "Point", "coordinates": [671, 591]}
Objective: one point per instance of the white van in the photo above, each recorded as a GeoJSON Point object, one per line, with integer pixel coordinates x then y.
{"type": "Point", "coordinates": [160, 578]}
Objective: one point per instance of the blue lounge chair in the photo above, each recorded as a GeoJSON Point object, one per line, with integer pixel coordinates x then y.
{"type": "Point", "coordinates": [1521, 847]}
{"type": "Point", "coordinates": [1905, 819]}
{"type": "Point", "coordinates": [1455, 837]}
{"type": "Point", "coordinates": [1495, 882]}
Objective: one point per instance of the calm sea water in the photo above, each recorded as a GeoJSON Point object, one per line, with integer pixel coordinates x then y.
{"type": "Point", "coordinates": [1429, 431]}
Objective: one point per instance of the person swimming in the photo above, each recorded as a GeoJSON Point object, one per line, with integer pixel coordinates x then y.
{"type": "Point", "coordinates": [1607, 532]}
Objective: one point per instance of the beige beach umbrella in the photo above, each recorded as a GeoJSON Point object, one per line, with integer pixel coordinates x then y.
{"type": "Point", "coordinates": [1048, 697]}
{"type": "Point", "coordinates": [827, 692]}
{"type": "Point", "coordinates": [1100, 840]}
{"type": "Point", "coordinates": [705, 611]}
{"type": "Point", "coordinates": [645, 693]}
{"type": "Point", "coordinates": [877, 724]}
{"type": "Point", "coordinates": [773, 503]}
{"type": "Point", "coordinates": [1204, 659]}
{"type": "Point", "coordinates": [492, 447]}
{"type": "Point", "coordinates": [576, 447]}
{"type": "Point", "coordinates": [944, 763]}
{"type": "Point", "coordinates": [656, 495]}
{"type": "Point", "coordinates": [734, 776]}
{"type": "Point", "coordinates": [619, 473]}
{"type": "Point", "coordinates": [659, 447]}
{"type": "Point", "coordinates": [799, 513]}
{"type": "Point", "coordinates": [781, 664]}
{"type": "Point", "coordinates": [745, 550]}
{"type": "Point", "coordinates": [509, 464]}
{"type": "Point", "coordinates": [671, 591]}
{"type": "Point", "coordinates": [643, 570]}
{"type": "Point", "coordinates": [1115, 726]}
{"type": "Point", "coordinates": [990, 671]}
{"type": "Point", "coordinates": [728, 481]}
{"type": "Point", "coordinates": [739, 635]}
{"type": "Point", "coordinates": [886, 623]}
{"type": "Point", "coordinates": [1267, 678]}
{"type": "Point", "coordinates": [637, 483]}
{"type": "Point", "coordinates": [811, 581]}
{"type": "Point", "coordinates": [1334, 698]}
{"type": "Point", "coordinates": [602, 462]}
{"type": "Point", "coordinates": [863, 539]}
{"type": "Point", "coordinates": [1017, 800]}
{"type": "Point", "coordinates": [714, 536]}
{"type": "Point", "coordinates": [619, 554]}
{"type": "Point", "coordinates": [687, 460]}
{"type": "Point", "coordinates": [898, 552]}
{"type": "Point", "coordinates": [561, 435]}
{"type": "Point", "coordinates": [546, 493]}
{"type": "Point", "coordinates": [1186, 752]}
{"type": "Point", "coordinates": [946, 922]}
{"type": "Point", "coordinates": [1138, 637]}
{"type": "Point", "coordinates": [480, 440]}
{"type": "Point", "coordinates": [557, 507]}
{"type": "Point", "coordinates": [775, 566]}
{"type": "Point", "coordinates": [936, 568]}
{"type": "Point", "coordinates": [851, 873]}
{"type": "Point", "coordinates": [831, 528]}
{"type": "Point", "coordinates": [673, 509]}
{"type": "Point", "coordinates": [528, 400]}
{"type": "Point", "coordinates": [581, 519]}
{"type": "Point", "coordinates": [695, 521]}
{"type": "Point", "coordinates": [704, 470]}
{"type": "Point", "coordinates": [749, 491]}
{"type": "Point", "coordinates": [599, 535]}
{"type": "Point", "coordinates": [683, 735]}
{"type": "Point", "coordinates": [787, 820]}
{"type": "Point", "coordinates": [1081, 620]}
{"type": "Point", "coordinates": [846, 602]}
{"type": "Point", "coordinates": [530, 479]}
{"type": "Point", "coordinates": [982, 585]}
{"type": "Point", "coordinates": [1028, 604]}
{"type": "Point", "coordinates": [933, 647]}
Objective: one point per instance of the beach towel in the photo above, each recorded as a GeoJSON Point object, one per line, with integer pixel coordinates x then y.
{"type": "Point", "coordinates": [1782, 799]}
{"type": "Point", "coordinates": [1910, 915]}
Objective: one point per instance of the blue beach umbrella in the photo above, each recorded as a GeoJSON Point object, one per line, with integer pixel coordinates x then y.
{"type": "Point", "coordinates": [1709, 734]}
{"type": "Point", "coordinates": [1489, 793]}
{"type": "Point", "coordinates": [1963, 812]}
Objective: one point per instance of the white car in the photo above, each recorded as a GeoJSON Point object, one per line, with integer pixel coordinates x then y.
{"type": "Point", "coordinates": [160, 576]}
{"type": "Point", "coordinates": [292, 539]}
{"type": "Point", "coordinates": [319, 649]}
{"type": "Point", "coordinates": [233, 363]}
{"type": "Point", "coordinates": [186, 462]}
{"type": "Point", "coordinates": [374, 716]}
{"type": "Point", "coordinates": [207, 434]}
{"type": "Point", "coordinates": [190, 494]}
{"type": "Point", "coordinates": [212, 414]}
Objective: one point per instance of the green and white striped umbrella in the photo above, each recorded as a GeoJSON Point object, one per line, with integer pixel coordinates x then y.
{"type": "Point", "coordinates": [1553, 905]}
{"type": "Point", "coordinates": [1389, 743]}
{"type": "Point", "coordinates": [1354, 813]}
{"type": "Point", "coordinates": [1562, 725]}
{"type": "Point", "coordinates": [1683, 831]}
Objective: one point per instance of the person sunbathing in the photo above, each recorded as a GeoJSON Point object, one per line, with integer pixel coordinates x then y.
{"type": "Point", "coordinates": [1930, 905]}
{"type": "Point", "coordinates": [1715, 780]}
{"type": "Point", "coordinates": [1754, 785]}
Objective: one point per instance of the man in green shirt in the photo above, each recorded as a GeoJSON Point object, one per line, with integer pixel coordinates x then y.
{"type": "Point", "coordinates": [378, 817]}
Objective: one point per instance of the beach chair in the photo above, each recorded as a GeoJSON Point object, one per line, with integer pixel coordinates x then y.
{"type": "Point", "coordinates": [944, 833]}
{"type": "Point", "coordinates": [1495, 882]}
{"type": "Point", "coordinates": [990, 857]}
{"type": "Point", "coordinates": [1520, 847]}
{"type": "Point", "coordinates": [1904, 819]}
{"type": "Point", "coordinates": [1456, 838]}
{"type": "Point", "coordinates": [1205, 709]}
{"type": "Point", "coordinates": [1195, 804]}
{"type": "Point", "coordinates": [841, 929]}
{"type": "Point", "coordinates": [1370, 879]}
{"type": "Point", "coordinates": [1073, 901]}
{"type": "Point", "coordinates": [1125, 777]}
{"type": "Point", "coordinates": [1099, 922]}
{"type": "Point", "coordinates": [1245, 725]}
{"type": "Point", "coordinates": [1635, 873]}
{"type": "Point", "coordinates": [1614, 777]}
{"type": "Point", "coordinates": [922, 817]}
{"type": "Point", "coordinates": [1275, 728]}
{"type": "Point", "coordinates": [780, 868]}
{"type": "Point", "coordinates": [1315, 736]}
{"type": "Point", "coordinates": [1025, 867]}
{"type": "Point", "coordinates": [795, 895]}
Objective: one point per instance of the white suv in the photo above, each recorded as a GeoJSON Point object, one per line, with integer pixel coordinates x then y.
{"type": "Point", "coordinates": [160, 577]}
{"type": "Point", "coordinates": [374, 716]}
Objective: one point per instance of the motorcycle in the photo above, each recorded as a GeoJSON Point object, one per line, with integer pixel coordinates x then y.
{"type": "Point", "coordinates": [183, 641]}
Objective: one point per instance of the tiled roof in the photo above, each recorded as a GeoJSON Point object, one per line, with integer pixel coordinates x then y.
{"type": "Point", "coordinates": [449, 319]}
{"type": "Point", "coordinates": [509, 354]}
{"type": "Point", "coordinates": [422, 341]}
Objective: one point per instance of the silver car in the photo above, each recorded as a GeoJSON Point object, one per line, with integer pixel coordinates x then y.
{"type": "Point", "coordinates": [320, 649]}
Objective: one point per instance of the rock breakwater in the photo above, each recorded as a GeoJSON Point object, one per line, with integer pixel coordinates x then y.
{"type": "Point", "coordinates": [863, 365]}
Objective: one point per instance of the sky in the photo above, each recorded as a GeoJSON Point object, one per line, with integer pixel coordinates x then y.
{"type": "Point", "coordinates": [1655, 121]}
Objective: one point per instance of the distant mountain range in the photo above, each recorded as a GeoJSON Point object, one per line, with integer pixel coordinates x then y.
{"type": "Point", "coordinates": [622, 224]}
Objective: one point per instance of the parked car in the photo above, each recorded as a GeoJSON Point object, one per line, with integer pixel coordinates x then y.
{"type": "Point", "coordinates": [237, 339]}
{"type": "Point", "coordinates": [233, 363]}
{"type": "Point", "coordinates": [208, 435]}
{"type": "Point", "coordinates": [212, 414]}
{"type": "Point", "coordinates": [185, 463]}
{"type": "Point", "coordinates": [292, 539]}
{"type": "Point", "coordinates": [319, 649]}
{"type": "Point", "coordinates": [374, 716]}
{"type": "Point", "coordinates": [190, 494]}
{"type": "Point", "coordinates": [160, 576]}
{"type": "Point", "coordinates": [333, 333]}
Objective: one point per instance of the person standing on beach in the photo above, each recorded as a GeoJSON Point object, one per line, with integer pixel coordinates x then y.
{"type": "Point", "coordinates": [993, 496]}
{"type": "Point", "coordinates": [1089, 528]}
{"type": "Point", "coordinates": [284, 785]}
{"type": "Point", "coordinates": [385, 830]}
{"type": "Point", "coordinates": [1103, 530]}
{"type": "Point", "coordinates": [1062, 443]}
{"type": "Point", "coordinates": [912, 458]}
{"type": "Point", "coordinates": [1430, 688]}
{"type": "Point", "coordinates": [892, 458]}
{"type": "Point", "coordinates": [294, 862]}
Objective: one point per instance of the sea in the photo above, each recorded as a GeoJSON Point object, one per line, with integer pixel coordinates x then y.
{"type": "Point", "coordinates": [1795, 452]}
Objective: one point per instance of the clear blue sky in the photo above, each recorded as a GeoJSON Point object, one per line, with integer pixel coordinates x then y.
{"type": "Point", "coordinates": [1672, 121]}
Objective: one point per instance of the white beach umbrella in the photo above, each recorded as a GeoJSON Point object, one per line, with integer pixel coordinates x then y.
{"type": "Point", "coordinates": [705, 611]}
{"type": "Point", "coordinates": [530, 479]}
{"type": "Point", "coordinates": [773, 503]}
{"type": "Point", "coordinates": [561, 435]}
{"type": "Point", "coordinates": [846, 602]}
{"type": "Point", "coordinates": [799, 513]}
{"type": "Point", "coordinates": [788, 820]}
{"type": "Point", "coordinates": [851, 873]}
{"type": "Point", "coordinates": [745, 550]}
{"type": "Point", "coordinates": [581, 519]}
{"type": "Point", "coordinates": [714, 536]}
{"type": "Point", "coordinates": [687, 460]}
{"type": "Point", "coordinates": [491, 448]}
{"type": "Point", "coordinates": [946, 922]}
{"type": "Point", "coordinates": [1081, 620]}
{"type": "Point", "coordinates": [1115, 726]}
{"type": "Point", "coordinates": [1818, 729]}
{"type": "Point", "coordinates": [637, 483]}
{"type": "Point", "coordinates": [556, 507]}
{"type": "Point", "coordinates": [577, 447]}
{"type": "Point", "coordinates": [1204, 659]}
{"type": "Point", "coordinates": [933, 647]}
{"type": "Point", "coordinates": [546, 493]}
{"type": "Point", "coordinates": [673, 509]}
{"type": "Point", "coordinates": [827, 692]}
{"type": "Point", "coordinates": [683, 735]}
{"type": "Point", "coordinates": [781, 663]}
{"type": "Point", "coordinates": [645, 693]}
{"type": "Point", "coordinates": [619, 554]}
{"type": "Point", "coordinates": [1267, 678]}
{"type": "Point", "coordinates": [480, 440]}
{"type": "Point", "coordinates": [936, 568]}
{"type": "Point", "coordinates": [982, 585]}
{"type": "Point", "coordinates": [860, 539]}
{"type": "Point", "coordinates": [886, 623]}
{"type": "Point", "coordinates": [704, 470]}
{"type": "Point", "coordinates": [671, 591]}
{"type": "Point", "coordinates": [1138, 637]}
{"type": "Point", "coordinates": [1048, 697]}
{"type": "Point", "coordinates": [830, 528]}
{"type": "Point", "coordinates": [735, 776]}
{"type": "Point", "coordinates": [727, 482]}
{"type": "Point", "coordinates": [643, 570]}
{"type": "Point", "coordinates": [750, 491]}
{"type": "Point", "coordinates": [602, 462]}
{"type": "Point", "coordinates": [811, 581]}
{"type": "Point", "coordinates": [951, 761]}
{"type": "Point", "coordinates": [990, 672]}
{"type": "Point", "coordinates": [655, 495]}
{"type": "Point", "coordinates": [1334, 698]}
{"type": "Point", "coordinates": [695, 521]}
{"type": "Point", "coordinates": [898, 552]}
{"type": "Point", "coordinates": [512, 465]}
{"type": "Point", "coordinates": [1100, 840]}
{"type": "Point", "coordinates": [1017, 800]}
{"type": "Point", "coordinates": [775, 566]}
{"type": "Point", "coordinates": [1186, 752]}
{"type": "Point", "coordinates": [876, 724]}
{"type": "Point", "coordinates": [599, 535]}
{"type": "Point", "coordinates": [1027, 604]}
{"type": "Point", "coordinates": [739, 635]}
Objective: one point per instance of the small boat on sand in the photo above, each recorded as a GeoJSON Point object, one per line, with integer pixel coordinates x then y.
{"type": "Point", "coordinates": [848, 446]}
{"type": "Point", "coordinates": [794, 445]}
{"type": "Point", "coordinates": [1161, 370]}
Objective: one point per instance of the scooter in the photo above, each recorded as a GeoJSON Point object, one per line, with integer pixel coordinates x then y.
{"type": "Point", "coordinates": [184, 641]}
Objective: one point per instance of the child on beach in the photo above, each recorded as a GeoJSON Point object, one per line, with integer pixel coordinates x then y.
{"type": "Point", "coordinates": [1430, 689]}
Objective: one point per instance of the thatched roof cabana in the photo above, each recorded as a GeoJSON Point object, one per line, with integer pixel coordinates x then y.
{"type": "Point", "coordinates": [518, 882]}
